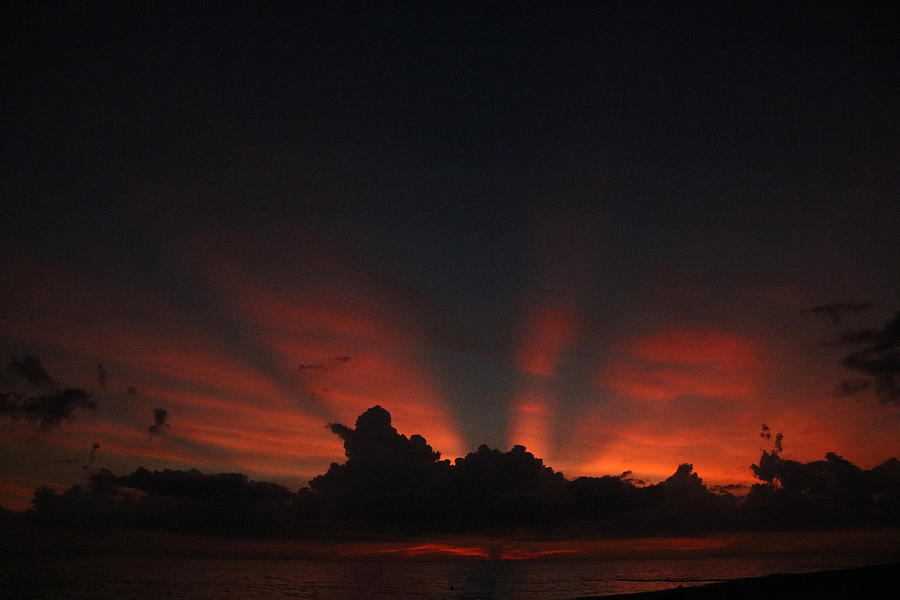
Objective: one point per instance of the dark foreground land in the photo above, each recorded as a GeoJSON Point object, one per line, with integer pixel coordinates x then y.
{"type": "Point", "coordinates": [881, 581]}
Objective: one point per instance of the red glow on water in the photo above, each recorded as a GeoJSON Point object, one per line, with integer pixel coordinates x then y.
{"type": "Point", "coordinates": [423, 550]}
{"type": "Point", "coordinates": [516, 549]}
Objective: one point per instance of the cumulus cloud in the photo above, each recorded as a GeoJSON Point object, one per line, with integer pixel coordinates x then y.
{"type": "Point", "coordinates": [387, 476]}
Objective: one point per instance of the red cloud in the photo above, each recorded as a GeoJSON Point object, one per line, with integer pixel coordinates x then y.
{"type": "Point", "coordinates": [674, 363]}
{"type": "Point", "coordinates": [548, 333]}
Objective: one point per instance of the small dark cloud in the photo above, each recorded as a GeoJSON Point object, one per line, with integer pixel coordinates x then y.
{"type": "Point", "coordinates": [131, 390]}
{"type": "Point", "coordinates": [766, 434]}
{"type": "Point", "coordinates": [853, 385]}
{"type": "Point", "coordinates": [94, 447]}
{"type": "Point", "coordinates": [315, 398]}
{"type": "Point", "coordinates": [160, 422]}
{"type": "Point", "coordinates": [836, 311]}
{"type": "Point", "coordinates": [101, 375]}
{"type": "Point", "coordinates": [46, 410]}
{"type": "Point", "coordinates": [877, 362]}
{"type": "Point", "coordinates": [858, 336]}
{"type": "Point", "coordinates": [628, 477]}
{"type": "Point", "coordinates": [321, 366]}
{"type": "Point", "coordinates": [30, 369]}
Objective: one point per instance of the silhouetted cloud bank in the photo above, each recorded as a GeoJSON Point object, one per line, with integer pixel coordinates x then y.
{"type": "Point", "coordinates": [189, 501]}
{"type": "Point", "coordinates": [392, 483]}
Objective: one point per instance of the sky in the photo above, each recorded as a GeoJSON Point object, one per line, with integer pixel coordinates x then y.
{"type": "Point", "coordinates": [594, 232]}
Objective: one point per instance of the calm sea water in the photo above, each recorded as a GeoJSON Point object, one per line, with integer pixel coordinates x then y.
{"type": "Point", "coordinates": [208, 579]}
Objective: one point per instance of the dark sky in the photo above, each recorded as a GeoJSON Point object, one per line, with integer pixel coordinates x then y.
{"type": "Point", "coordinates": [589, 230]}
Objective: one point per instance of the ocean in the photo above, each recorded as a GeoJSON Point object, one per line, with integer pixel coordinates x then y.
{"type": "Point", "coordinates": [346, 579]}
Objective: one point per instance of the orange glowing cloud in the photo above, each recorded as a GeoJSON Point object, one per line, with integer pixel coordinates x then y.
{"type": "Point", "coordinates": [128, 329]}
{"type": "Point", "coordinates": [548, 333]}
{"type": "Point", "coordinates": [226, 413]}
{"type": "Point", "coordinates": [697, 347]}
{"type": "Point", "coordinates": [381, 367]}
{"type": "Point", "coordinates": [669, 364]}
{"type": "Point", "coordinates": [704, 411]}
{"type": "Point", "coordinates": [120, 441]}
{"type": "Point", "coordinates": [549, 328]}
{"type": "Point", "coordinates": [274, 440]}
{"type": "Point", "coordinates": [700, 396]}
{"type": "Point", "coordinates": [247, 407]}
{"type": "Point", "coordinates": [530, 423]}
{"type": "Point", "coordinates": [720, 447]}
{"type": "Point", "coordinates": [339, 349]}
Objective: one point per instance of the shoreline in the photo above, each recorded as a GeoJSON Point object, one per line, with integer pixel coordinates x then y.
{"type": "Point", "coordinates": [879, 581]}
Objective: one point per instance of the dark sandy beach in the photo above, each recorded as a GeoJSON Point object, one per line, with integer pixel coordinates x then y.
{"type": "Point", "coordinates": [882, 581]}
